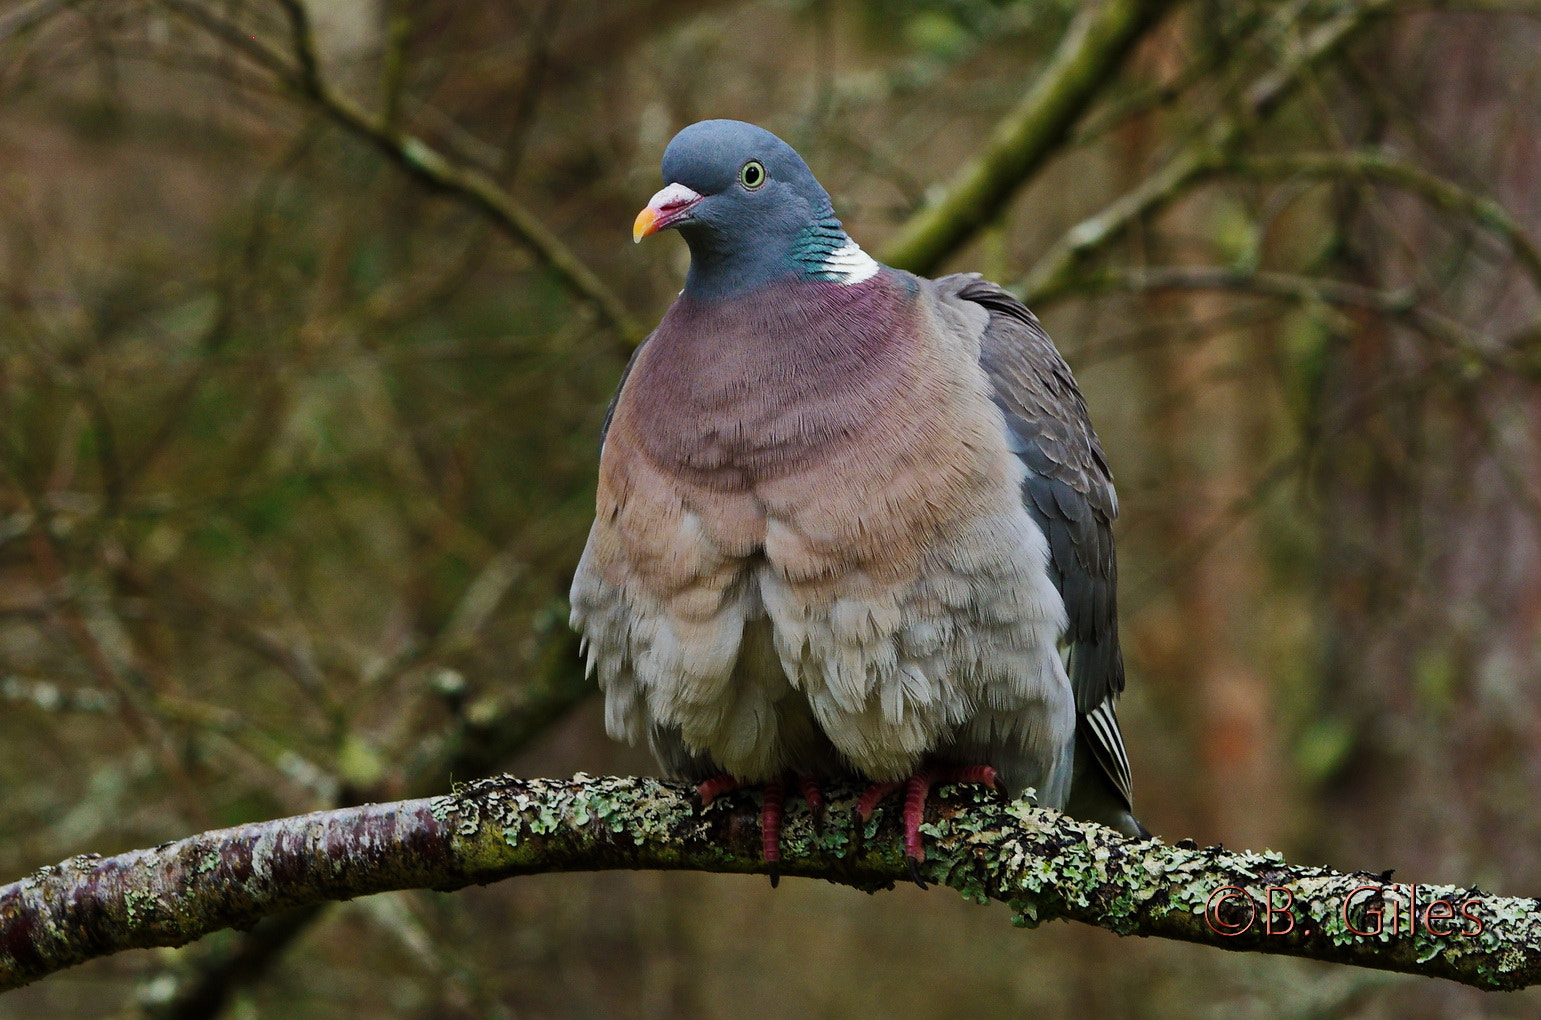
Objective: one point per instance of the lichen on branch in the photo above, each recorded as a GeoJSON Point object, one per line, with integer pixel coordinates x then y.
{"type": "Point", "coordinates": [1041, 863]}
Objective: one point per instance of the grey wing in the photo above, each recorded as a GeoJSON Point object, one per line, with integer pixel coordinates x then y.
{"type": "Point", "coordinates": [1068, 490]}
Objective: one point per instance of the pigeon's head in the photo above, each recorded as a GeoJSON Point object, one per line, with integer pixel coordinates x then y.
{"type": "Point", "coordinates": [749, 208]}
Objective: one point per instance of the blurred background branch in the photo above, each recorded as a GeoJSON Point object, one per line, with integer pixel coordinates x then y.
{"type": "Point", "coordinates": [301, 71]}
{"type": "Point", "coordinates": [1089, 56]}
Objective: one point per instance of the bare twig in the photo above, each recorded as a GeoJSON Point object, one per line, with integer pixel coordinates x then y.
{"type": "Point", "coordinates": [141, 722]}
{"type": "Point", "coordinates": [1054, 274]}
{"type": "Point", "coordinates": [481, 738]}
{"type": "Point", "coordinates": [30, 15]}
{"type": "Point", "coordinates": [302, 74]}
{"type": "Point", "coordinates": [1320, 290]}
{"type": "Point", "coordinates": [1405, 306]}
{"type": "Point", "coordinates": [1437, 191]}
{"type": "Point", "coordinates": [1524, 8]}
{"type": "Point", "coordinates": [393, 63]}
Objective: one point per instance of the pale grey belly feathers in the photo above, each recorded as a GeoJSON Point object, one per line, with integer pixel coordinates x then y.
{"type": "Point", "coordinates": [849, 675]}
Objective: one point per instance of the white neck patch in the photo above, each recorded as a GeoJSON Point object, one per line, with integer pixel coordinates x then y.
{"type": "Point", "coordinates": [848, 264]}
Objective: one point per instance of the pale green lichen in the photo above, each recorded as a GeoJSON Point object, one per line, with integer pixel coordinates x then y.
{"type": "Point", "coordinates": [1043, 865]}
{"type": "Point", "coordinates": [139, 905]}
{"type": "Point", "coordinates": [209, 861]}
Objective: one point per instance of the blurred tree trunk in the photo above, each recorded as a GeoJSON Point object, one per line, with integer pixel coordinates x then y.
{"type": "Point", "coordinates": [1202, 454]}
{"type": "Point", "coordinates": [1430, 567]}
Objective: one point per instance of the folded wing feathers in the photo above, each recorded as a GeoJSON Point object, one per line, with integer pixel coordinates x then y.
{"type": "Point", "coordinates": [1069, 492]}
{"type": "Point", "coordinates": [1107, 743]}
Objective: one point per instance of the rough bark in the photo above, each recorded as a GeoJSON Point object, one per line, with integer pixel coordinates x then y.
{"type": "Point", "coordinates": [1041, 863]}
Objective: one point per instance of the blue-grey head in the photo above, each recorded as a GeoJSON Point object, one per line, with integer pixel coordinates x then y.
{"type": "Point", "coordinates": [750, 210]}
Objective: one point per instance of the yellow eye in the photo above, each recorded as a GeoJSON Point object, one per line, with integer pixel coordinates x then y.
{"type": "Point", "coordinates": [752, 174]}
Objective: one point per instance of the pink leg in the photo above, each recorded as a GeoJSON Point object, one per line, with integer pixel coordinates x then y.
{"type": "Point", "coordinates": [869, 800]}
{"type": "Point", "coordinates": [811, 792]}
{"type": "Point", "coordinates": [770, 827]}
{"type": "Point", "coordinates": [715, 787]}
{"type": "Point", "coordinates": [815, 799]}
{"type": "Point", "coordinates": [916, 790]}
{"type": "Point", "coordinates": [770, 812]}
{"type": "Point", "coordinates": [982, 774]}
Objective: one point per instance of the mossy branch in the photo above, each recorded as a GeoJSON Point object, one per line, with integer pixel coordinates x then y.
{"type": "Point", "coordinates": [1041, 863]}
{"type": "Point", "coordinates": [1089, 56]}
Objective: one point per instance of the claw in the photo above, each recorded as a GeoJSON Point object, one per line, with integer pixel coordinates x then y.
{"type": "Point", "coordinates": [715, 787]}
{"type": "Point", "coordinates": [869, 801]}
{"type": "Point", "coordinates": [916, 789]}
{"type": "Point", "coordinates": [914, 868]}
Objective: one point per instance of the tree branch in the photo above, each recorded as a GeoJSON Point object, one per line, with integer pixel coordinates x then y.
{"type": "Point", "coordinates": [1088, 57]}
{"type": "Point", "coordinates": [29, 15]}
{"type": "Point", "coordinates": [393, 63]}
{"type": "Point", "coordinates": [1514, 356]}
{"type": "Point", "coordinates": [1055, 273]}
{"type": "Point", "coordinates": [480, 739]}
{"type": "Point", "coordinates": [1043, 864]}
{"type": "Point", "coordinates": [1439, 192]}
{"type": "Point", "coordinates": [302, 75]}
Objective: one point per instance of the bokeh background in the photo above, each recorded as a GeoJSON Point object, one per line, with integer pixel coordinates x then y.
{"type": "Point", "coordinates": [300, 389]}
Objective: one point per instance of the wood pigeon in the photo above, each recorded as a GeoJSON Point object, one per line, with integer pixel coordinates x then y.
{"type": "Point", "coordinates": [848, 518]}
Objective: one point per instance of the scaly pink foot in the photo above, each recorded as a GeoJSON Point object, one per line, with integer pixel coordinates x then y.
{"type": "Point", "coordinates": [770, 812]}
{"type": "Point", "coordinates": [815, 799]}
{"type": "Point", "coordinates": [868, 801]}
{"type": "Point", "coordinates": [916, 790]}
{"type": "Point", "coordinates": [715, 787]}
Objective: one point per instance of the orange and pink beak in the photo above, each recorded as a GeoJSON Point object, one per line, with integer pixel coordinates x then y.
{"type": "Point", "coordinates": [664, 210]}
